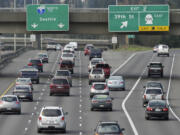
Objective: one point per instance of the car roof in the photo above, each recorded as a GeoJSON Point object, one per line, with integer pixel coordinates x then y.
{"type": "Point", "coordinates": [59, 77]}
{"type": "Point", "coordinates": [115, 77]}
{"type": "Point", "coordinates": [98, 83]}
{"type": "Point", "coordinates": [153, 82]}
{"type": "Point", "coordinates": [52, 107]}
{"type": "Point", "coordinates": [158, 100]}
{"type": "Point", "coordinates": [21, 78]}
{"type": "Point", "coordinates": [29, 69]}
{"type": "Point", "coordinates": [22, 86]}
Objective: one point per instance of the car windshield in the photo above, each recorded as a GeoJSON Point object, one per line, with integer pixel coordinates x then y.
{"type": "Point", "coordinates": [67, 55]}
{"type": "Point", "coordinates": [94, 62]}
{"type": "Point", "coordinates": [9, 99]}
{"type": "Point", "coordinates": [155, 65]}
{"type": "Point", "coordinates": [62, 73]}
{"type": "Point", "coordinates": [23, 80]}
{"type": "Point", "coordinates": [157, 104]}
{"type": "Point", "coordinates": [102, 66]}
{"type": "Point", "coordinates": [154, 84]}
{"type": "Point", "coordinates": [22, 88]}
{"type": "Point", "coordinates": [99, 86]}
{"type": "Point", "coordinates": [42, 55]}
{"type": "Point", "coordinates": [108, 128]}
{"type": "Point", "coordinates": [29, 72]}
{"type": "Point", "coordinates": [35, 61]}
{"type": "Point", "coordinates": [51, 112]}
{"type": "Point", "coordinates": [154, 91]}
{"type": "Point", "coordinates": [164, 46]}
{"type": "Point", "coordinates": [97, 72]}
{"type": "Point", "coordinates": [60, 81]}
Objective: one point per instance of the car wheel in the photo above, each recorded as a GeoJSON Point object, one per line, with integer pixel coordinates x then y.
{"type": "Point", "coordinates": [38, 130]}
{"type": "Point", "coordinates": [19, 112]}
{"type": "Point", "coordinates": [123, 89]}
{"type": "Point", "coordinates": [31, 99]}
{"type": "Point", "coordinates": [72, 72]}
{"type": "Point", "coordinates": [37, 82]}
{"type": "Point", "coordinates": [68, 94]}
{"type": "Point", "coordinates": [147, 117]}
{"type": "Point", "coordinates": [166, 118]}
{"type": "Point", "coordinates": [110, 109]}
{"type": "Point", "coordinates": [161, 74]}
{"type": "Point", "coordinates": [92, 109]}
{"type": "Point", "coordinates": [50, 94]}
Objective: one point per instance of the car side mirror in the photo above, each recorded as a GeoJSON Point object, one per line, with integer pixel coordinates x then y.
{"type": "Point", "coordinates": [66, 113]}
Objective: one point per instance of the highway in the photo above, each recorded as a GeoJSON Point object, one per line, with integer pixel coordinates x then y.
{"type": "Point", "coordinates": [82, 121]}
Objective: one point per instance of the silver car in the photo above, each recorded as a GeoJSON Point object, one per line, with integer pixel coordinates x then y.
{"type": "Point", "coordinates": [116, 83]}
{"type": "Point", "coordinates": [68, 56]}
{"type": "Point", "coordinates": [65, 73]}
{"type": "Point", "coordinates": [24, 81]}
{"type": "Point", "coordinates": [152, 94]}
{"type": "Point", "coordinates": [99, 88]}
{"type": "Point", "coordinates": [23, 92]}
{"type": "Point", "coordinates": [10, 103]}
{"type": "Point", "coordinates": [51, 118]}
{"type": "Point", "coordinates": [96, 75]}
{"type": "Point", "coordinates": [102, 102]}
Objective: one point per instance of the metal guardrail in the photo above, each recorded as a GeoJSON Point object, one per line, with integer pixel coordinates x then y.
{"type": "Point", "coordinates": [4, 59]}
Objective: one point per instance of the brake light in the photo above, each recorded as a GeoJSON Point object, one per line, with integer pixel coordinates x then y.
{"type": "Point", "coordinates": [165, 109]}
{"type": "Point", "coordinates": [149, 109]}
{"type": "Point", "coordinates": [92, 86]}
{"type": "Point", "coordinates": [120, 82]}
{"type": "Point", "coordinates": [94, 101]}
{"type": "Point", "coordinates": [110, 82]}
{"type": "Point", "coordinates": [106, 87]}
{"type": "Point", "coordinates": [51, 86]}
{"type": "Point", "coordinates": [40, 64]}
{"type": "Point", "coordinates": [17, 102]}
{"type": "Point", "coordinates": [17, 83]}
{"type": "Point", "coordinates": [30, 64]}
{"type": "Point", "coordinates": [62, 118]}
{"type": "Point", "coordinates": [40, 118]}
{"type": "Point", "coordinates": [108, 101]}
{"type": "Point", "coordinates": [144, 96]}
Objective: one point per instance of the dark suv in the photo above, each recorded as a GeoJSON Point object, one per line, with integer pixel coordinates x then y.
{"type": "Point", "coordinates": [155, 68]}
{"type": "Point", "coordinates": [37, 63]}
{"type": "Point", "coordinates": [30, 73]}
{"type": "Point", "coordinates": [67, 65]}
{"type": "Point", "coordinates": [95, 53]}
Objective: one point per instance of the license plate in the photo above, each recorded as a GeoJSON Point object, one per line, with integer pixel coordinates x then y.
{"type": "Point", "coordinates": [9, 109]}
{"type": "Point", "coordinates": [60, 87]}
{"type": "Point", "coordinates": [157, 110]}
{"type": "Point", "coordinates": [101, 105]}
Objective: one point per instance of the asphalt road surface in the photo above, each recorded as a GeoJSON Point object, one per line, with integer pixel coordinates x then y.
{"type": "Point", "coordinates": [127, 105]}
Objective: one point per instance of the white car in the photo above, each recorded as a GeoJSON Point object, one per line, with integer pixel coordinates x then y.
{"type": "Point", "coordinates": [51, 46]}
{"type": "Point", "coordinates": [74, 44]}
{"type": "Point", "coordinates": [68, 56]}
{"type": "Point", "coordinates": [69, 47]}
{"type": "Point", "coordinates": [96, 75]}
{"type": "Point", "coordinates": [93, 62]}
{"type": "Point", "coordinates": [51, 118]}
{"type": "Point", "coordinates": [163, 50]}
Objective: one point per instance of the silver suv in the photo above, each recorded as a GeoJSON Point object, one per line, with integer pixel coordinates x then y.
{"type": "Point", "coordinates": [152, 93]}
{"type": "Point", "coordinates": [96, 75]}
{"type": "Point", "coordinates": [51, 118]}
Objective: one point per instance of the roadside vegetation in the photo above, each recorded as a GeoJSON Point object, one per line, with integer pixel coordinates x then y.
{"type": "Point", "coordinates": [133, 48]}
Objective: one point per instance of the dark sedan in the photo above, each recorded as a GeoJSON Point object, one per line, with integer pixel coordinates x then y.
{"type": "Point", "coordinates": [101, 102]}
{"type": "Point", "coordinates": [157, 108]}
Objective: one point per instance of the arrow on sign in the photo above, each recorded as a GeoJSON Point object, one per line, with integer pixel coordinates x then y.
{"type": "Point", "coordinates": [124, 24]}
{"type": "Point", "coordinates": [60, 25]}
{"type": "Point", "coordinates": [34, 25]}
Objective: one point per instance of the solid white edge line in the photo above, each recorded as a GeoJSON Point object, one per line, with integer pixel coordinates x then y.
{"type": "Point", "coordinates": [169, 86]}
{"type": "Point", "coordinates": [125, 62]}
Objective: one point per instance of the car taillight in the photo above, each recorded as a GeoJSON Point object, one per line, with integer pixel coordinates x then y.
{"type": "Point", "coordinates": [30, 64]}
{"type": "Point", "coordinates": [108, 101]}
{"type": "Point", "coordinates": [51, 86]}
{"type": "Point", "coordinates": [106, 87]}
{"type": "Point", "coordinates": [62, 118]}
{"type": "Point", "coordinates": [110, 82]}
{"type": "Point", "coordinates": [40, 118]}
{"type": "Point", "coordinates": [121, 133]}
{"type": "Point", "coordinates": [40, 64]}
{"type": "Point", "coordinates": [17, 102]}
{"type": "Point", "coordinates": [92, 87]}
{"type": "Point", "coordinates": [144, 96]}
{"type": "Point", "coordinates": [120, 82]}
{"type": "Point", "coordinates": [94, 101]}
{"type": "Point", "coordinates": [165, 109]}
{"type": "Point", "coordinates": [149, 109]}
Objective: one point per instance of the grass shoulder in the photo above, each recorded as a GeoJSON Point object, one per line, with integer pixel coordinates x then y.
{"type": "Point", "coordinates": [133, 48]}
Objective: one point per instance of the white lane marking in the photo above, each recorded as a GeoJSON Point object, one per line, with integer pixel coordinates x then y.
{"type": "Point", "coordinates": [80, 117]}
{"type": "Point", "coordinates": [80, 100]}
{"type": "Point", "coordinates": [29, 121]}
{"type": "Point", "coordinates": [54, 66]}
{"type": "Point", "coordinates": [35, 108]}
{"type": "Point", "coordinates": [32, 114]}
{"type": "Point", "coordinates": [43, 89]}
{"type": "Point", "coordinates": [80, 124]}
{"type": "Point", "coordinates": [127, 97]}
{"type": "Point", "coordinates": [169, 86]}
{"type": "Point", "coordinates": [80, 111]}
{"type": "Point", "coordinates": [80, 133]}
{"type": "Point", "coordinates": [125, 62]}
{"type": "Point", "coordinates": [37, 103]}
{"type": "Point", "coordinates": [26, 129]}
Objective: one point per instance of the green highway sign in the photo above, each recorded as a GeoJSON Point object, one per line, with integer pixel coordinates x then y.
{"type": "Point", "coordinates": [47, 17]}
{"type": "Point", "coordinates": [135, 18]}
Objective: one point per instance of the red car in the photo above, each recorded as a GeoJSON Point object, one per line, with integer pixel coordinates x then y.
{"type": "Point", "coordinates": [105, 67]}
{"type": "Point", "coordinates": [59, 85]}
{"type": "Point", "coordinates": [87, 49]}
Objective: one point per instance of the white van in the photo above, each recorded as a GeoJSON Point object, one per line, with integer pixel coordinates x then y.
{"type": "Point", "coordinates": [163, 50]}
{"type": "Point", "coordinates": [75, 44]}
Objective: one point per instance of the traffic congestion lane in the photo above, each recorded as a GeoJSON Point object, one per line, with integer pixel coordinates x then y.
{"type": "Point", "coordinates": [137, 112]}
{"type": "Point", "coordinates": [18, 123]}
{"type": "Point", "coordinates": [91, 118]}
